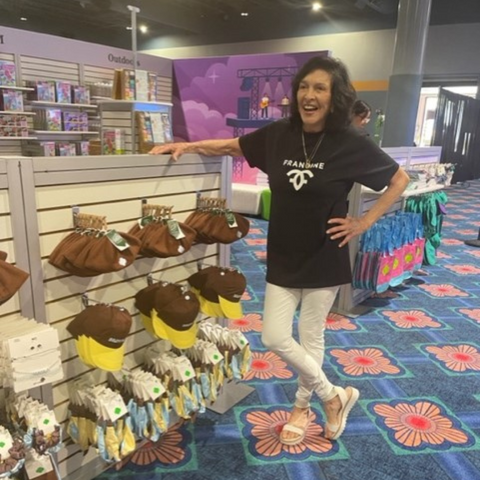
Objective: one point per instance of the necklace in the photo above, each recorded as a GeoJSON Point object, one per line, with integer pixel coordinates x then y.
{"type": "Point", "coordinates": [308, 159]}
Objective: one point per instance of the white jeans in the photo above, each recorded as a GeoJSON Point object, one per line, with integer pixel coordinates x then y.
{"type": "Point", "coordinates": [307, 357]}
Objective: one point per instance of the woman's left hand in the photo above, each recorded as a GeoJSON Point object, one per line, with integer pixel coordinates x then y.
{"type": "Point", "coordinates": [347, 227]}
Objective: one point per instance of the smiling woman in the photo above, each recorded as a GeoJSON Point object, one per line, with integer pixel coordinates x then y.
{"type": "Point", "coordinates": [312, 160]}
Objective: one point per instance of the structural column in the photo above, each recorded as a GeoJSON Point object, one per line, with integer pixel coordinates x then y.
{"type": "Point", "coordinates": [407, 73]}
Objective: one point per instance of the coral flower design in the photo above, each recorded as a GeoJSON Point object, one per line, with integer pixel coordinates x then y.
{"type": "Point", "coordinates": [473, 313]}
{"type": "Point", "coordinates": [256, 241]}
{"type": "Point", "coordinates": [420, 424]}
{"type": "Point", "coordinates": [387, 294]}
{"type": "Point", "coordinates": [475, 253]}
{"type": "Point", "coordinates": [265, 428]}
{"type": "Point", "coordinates": [448, 224]}
{"type": "Point", "coordinates": [443, 255]}
{"type": "Point", "coordinates": [246, 295]}
{"type": "Point", "coordinates": [339, 322]}
{"type": "Point", "coordinates": [464, 269]}
{"type": "Point", "coordinates": [451, 241]}
{"type": "Point", "coordinates": [411, 319]}
{"type": "Point", "coordinates": [458, 358]}
{"type": "Point", "coordinates": [251, 322]}
{"type": "Point", "coordinates": [467, 232]}
{"type": "Point", "coordinates": [267, 365]}
{"type": "Point", "coordinates": [443, 290]}
{"type": "Point", "coordinates": [169, 450]}
{"type": "Point", "coordinates": [261, 254]}
{"type": "Point", "coordinates": [457, 217]}
{"type": "Point", "coordinates": [369, 361]}
{"type": "Point", "coordinates": [255, 231]}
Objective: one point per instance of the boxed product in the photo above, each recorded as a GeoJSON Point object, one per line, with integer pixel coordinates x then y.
{"type": "Point", "coordinates": [45, 91]}
{"type": "Point", "coordinates": [64, 92]}
{"type": "Point", "coordinates": [167, 128]}
{"type": "Point", "coordinates": [81, 95]}
{"type": "Point", "coordinates": [53, 120]}
{"type": "Point", "coordinates": [66, 149]}
{"type": "Point", "coordinates": [114, 142]}
{"type": "Point", "coordinates": [7, 73]}
{"type": "Point", "coordinates": [83, 148]}
{"type": "Point", "coordinates": [141, 86]}
{"type": "Point", "coordinates": [75, 121]}
{"type": "Point", "coordinates": [11, 101]}
{"type": "Point", "coordinates": [48, 149]}
{"type": "Point", "coordinates": [152, 87]}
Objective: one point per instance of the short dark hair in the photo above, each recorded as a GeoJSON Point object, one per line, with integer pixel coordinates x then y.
{"type": "Point", "coordinates": [343, 92]}
{"type": "Point", "coordinates": [361, 109]}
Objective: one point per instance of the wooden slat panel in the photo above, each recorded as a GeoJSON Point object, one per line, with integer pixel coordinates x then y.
{"type": "Point", "coordinates": [4, 202]}
{"type": "Point", "coordinates": [97, 74]}
{"type": "Point", "coordinates": [34, 68]}
{"type": "Point", "coordinates": [10, 148]}
{"type": "Point", "coordinates": [10, 308]}
{"type": "Point", "coordinates": [9, 57]}
{"type": "Point", "coordinates": [7, 246]}
{"type": "Point", "coordinates": [80, 194]}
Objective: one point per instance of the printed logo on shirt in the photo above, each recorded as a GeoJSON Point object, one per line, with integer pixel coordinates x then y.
{"type": "Point", "coordinates": [299, 178]}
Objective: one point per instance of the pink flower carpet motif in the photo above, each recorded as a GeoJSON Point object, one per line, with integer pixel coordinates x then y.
{"type": "Point", "coordinates": [411, 319]}
{"type": "Point", "coordinates": [261, 254]}
{"type": "Point", "coordinates": [339, 322]}
{"type": "Point", "coordinates": [256, 241]}
{"type": "Point", "coordinates": [251, 322]}
{"type": "Point", "coordinates": [255, 231]}
{"type": "Point", "coordinates": [458, 358]}
{"type": "Point", "coordinates": [267, 365]}
{"type": "Point", "coordinates": [473, 313]}
{"type": "Point", "coordinates": [475, 253]}
{"type": "Point", "coordinates": [464, 269]}
{"type": "Point", "coordinates": [368, 361]}
{"type": "Point", "coordinates": [456, 216]}
{"type": "Point", "coordinates": [266, 428]}
{"type": "Point", "coordinates": [442, 255]}
{"type": "Point", "coordinates": [469, 233]}
{"type": "Point", "coordinates": [448, 224]}
{"type": "Point", "coordinates": [451, 241]}
{"type": "Point", "coordinates": [167, 450]}
{"type": "Point", "coordinates": [420, 424]}
{"type": "Point", "coordinates": [443, 290]}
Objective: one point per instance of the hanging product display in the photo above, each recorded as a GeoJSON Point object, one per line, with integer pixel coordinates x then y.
{"type": "Point", "coordinates": [169, 311]}
{"type": "Point", "coordinates": [100, 332]}
{"type": "Point", "coordinates": [431, 206]}
{"type": "Point", "coordinates": [12, 453]}
{"type": "Point", "coordinates": [11, 279]}
{"type": "Point", "coordinates": [160, 235]}
{"type": "Point", "coordinates": [219, 291]}
{"type": "Point", "coordinates": [93, 249]}
{"type": "Point", "coordinates": [214, 223]}
{"type": "Point", "coordinates": [389, 252]}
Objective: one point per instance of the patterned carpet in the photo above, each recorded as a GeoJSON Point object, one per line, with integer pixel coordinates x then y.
{"type": "Point", "coordinates": [415, 357]}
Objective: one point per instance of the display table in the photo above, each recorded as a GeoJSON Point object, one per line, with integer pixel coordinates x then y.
{"type": "Point", "coordinates": [247, 199]}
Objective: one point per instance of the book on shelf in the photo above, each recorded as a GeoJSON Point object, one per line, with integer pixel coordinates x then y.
{"type": "Point", "coordinates": [141, 86]}
{"type": "Point", "coordinates": [11, 101]}
{"type": "Point", "coordinates": [113, 141]}
{"type": "Point", "coordinates": [75, 121]}
{"type": "Point", "coordinates": [152, 87]}
{"type": "Point", "coordinates": [66, 149]}
{"type": "Point", "coordinates": [63, 92]}
{"type": "Point", "coordinates": [53, 120]}
{"type": "Point", "coordinates": [44, 91]}
{"type": "Point", "coordinates": [80, 95]}
{"type": "Point", "coordinates": [8, 75]}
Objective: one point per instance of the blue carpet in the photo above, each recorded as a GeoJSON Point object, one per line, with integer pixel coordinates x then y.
{"type": "Point", "coordinates": [415, 357]}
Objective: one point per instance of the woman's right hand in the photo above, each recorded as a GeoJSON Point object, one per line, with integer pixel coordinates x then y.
{"type": "Point", "coordinates": [176, 149]}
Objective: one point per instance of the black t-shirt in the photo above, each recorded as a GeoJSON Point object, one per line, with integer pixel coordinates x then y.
{"type": "Point", "coordinates": [300, 254]}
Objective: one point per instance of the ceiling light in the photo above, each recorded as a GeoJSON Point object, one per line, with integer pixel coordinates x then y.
{"type": "Point", "coordinates": [143, 28]}
{"type": "Point", "coordinates": [129, 28]}
{"type": "Point", "coordinates": [23, 19]}
{"type": "Point", "coordinates": [244, 14]}
{"type": "Point", "coordinates": [316, 6]}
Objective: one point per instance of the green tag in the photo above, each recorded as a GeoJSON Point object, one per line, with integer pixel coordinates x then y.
{"type": "Point", "coordinates": [117, 240]}
{"type": "Point", "coordinates": [156, 390]}
{"type": "Point", "coordinates": [2, 444]}
{"type": "Point", "coordinates": [146, 220]}
{"type": "Point", "coordinates": [216, 357]}
{"type": "Point", "coordinates": [39, 470]}
{"type": "Point", "coordinates": [174, 229]}
{"type": "Point", "coordinates": [118, 410]}
{"type": "Point", "coordinates": [187, 373]}
{"type": "Point", "coordinates": [232, 222]}
{"type": "Point", "coordinates": [46, 421]}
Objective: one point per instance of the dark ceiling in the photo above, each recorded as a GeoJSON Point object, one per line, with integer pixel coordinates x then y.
{"type": "Point", "coordinates": [201, 22]}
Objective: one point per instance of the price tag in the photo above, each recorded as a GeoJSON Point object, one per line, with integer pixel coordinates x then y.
{"type": "Point", "coordinates": [174, 229]}
{"type": "Point", "coordinates": [231, 220]}
{"type": "Point", "coordinates": [117, 240]}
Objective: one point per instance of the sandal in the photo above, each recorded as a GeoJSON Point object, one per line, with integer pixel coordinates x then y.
{"type": "Point", "coordinates": [300, 431]}
{"type": "Point", "coordinates": [347, 404]}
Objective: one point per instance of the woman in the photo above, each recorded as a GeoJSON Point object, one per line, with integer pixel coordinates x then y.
{"type": "Point", "coordinates": [361, 114]}
{"type": "Point", "coordinates": [312, 160]}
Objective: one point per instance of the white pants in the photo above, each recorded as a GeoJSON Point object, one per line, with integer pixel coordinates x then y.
{"type": "Point", "coordinates": [307, 357]}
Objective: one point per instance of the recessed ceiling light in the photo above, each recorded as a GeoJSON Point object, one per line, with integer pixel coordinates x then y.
{"type": "Point", "coordinates": [244, 14]}
{"type": "Point", "coordinates": [316, 6]}
{"type": "Point", "coordinates": [143, 28]}
{"type": "Point", "coordinates": [23, 19]}
{"type": "Point", "coordinates": [128, 28]}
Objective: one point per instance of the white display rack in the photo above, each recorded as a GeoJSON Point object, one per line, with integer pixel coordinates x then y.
{"type": "Point", "coordinates": [17, 112]}
{"type": "Point", "coordinates": [18, 138]}
{"type": "Point", "coordinates": [132, 102]}
{"type": "Point", "coordinates": [53, 132]}
{"type": "Point", "coordinates": [407, 193]}
{"type": "Point", "coordinates": [22, 89]}
{"type": "Point", "coordinates": [40, 103]}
